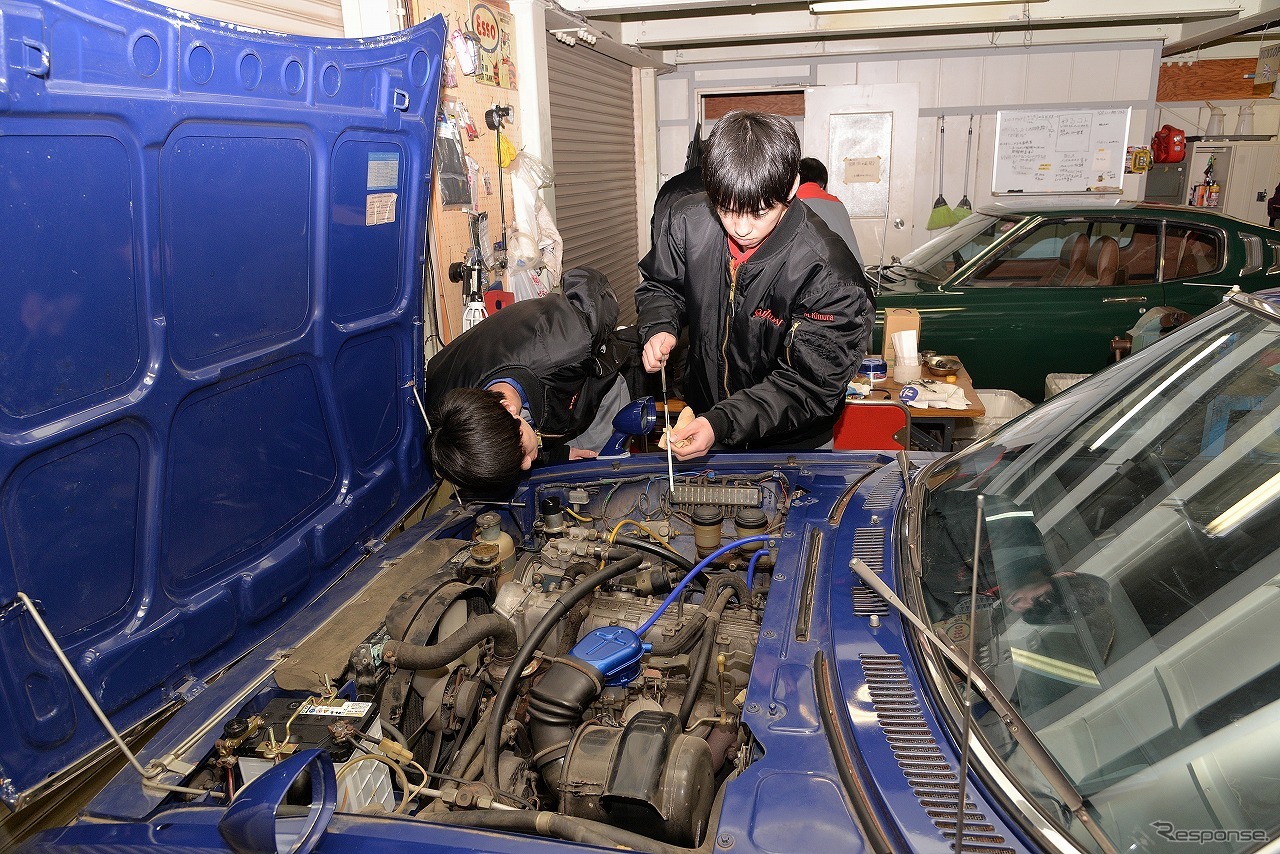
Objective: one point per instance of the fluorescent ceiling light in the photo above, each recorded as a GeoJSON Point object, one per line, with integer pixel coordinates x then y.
{"type": "Point", "coordinates": [1244, 508]}
{"type": "Point", "coordinates": [884, 5]}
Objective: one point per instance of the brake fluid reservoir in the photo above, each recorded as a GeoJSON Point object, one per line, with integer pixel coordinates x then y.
{"type": "Point", "coordinates": [747, 522]}
{"type": "Point", "coordinates": [707, 522]}
{"type": "Point", "coordinates": [489, 530]}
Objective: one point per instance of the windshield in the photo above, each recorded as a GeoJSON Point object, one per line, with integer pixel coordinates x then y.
{"type": "Point", "coordinates": [958, 245]}
{"type": "Point", "coordinates": [1129, 585]}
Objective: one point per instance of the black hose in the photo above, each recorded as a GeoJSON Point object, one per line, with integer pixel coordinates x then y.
{"type": "Point", "coordinates": [413, 657]}
{"type": "Point", "coordinates": [471, 746]}
{"type": "Point", "coordinates": [507, 691]}
{"type": "Point", "coordinates": [702, 660]}
{"type": "Point", "coordinates": [654, 549]}
{"type": "Point", "coordinates": [685, 637]}
{"type": "Point", "coordinates": [557, 826]}
{"type": "Point", "coordinates": [721, 580]}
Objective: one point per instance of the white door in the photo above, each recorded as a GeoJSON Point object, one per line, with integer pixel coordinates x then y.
{"type": "Point", "coordinates": [866, 136]}
{"type": "Point", "coordinates": [1255, 169]}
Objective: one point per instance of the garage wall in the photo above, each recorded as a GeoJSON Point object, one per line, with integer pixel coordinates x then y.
{"type": "Point", "coordinates": [299, 17]}
{"type": "Point", "coordinates": [593, 139]}
{"type": "Point", "coordinates": [952, 83]}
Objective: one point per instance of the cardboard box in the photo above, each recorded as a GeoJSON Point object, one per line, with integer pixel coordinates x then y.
{"type": "Point", "coordinates": [896, 320]}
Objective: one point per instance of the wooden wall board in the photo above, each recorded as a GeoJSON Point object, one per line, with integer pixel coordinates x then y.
{"type": "Point", "coordinates": [1206, 80]}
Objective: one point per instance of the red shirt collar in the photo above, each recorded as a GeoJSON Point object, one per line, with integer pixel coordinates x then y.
{"type": "Point", "coordinates": [811, 190]}
{"type": "Point", "coordinates": [738, 255]}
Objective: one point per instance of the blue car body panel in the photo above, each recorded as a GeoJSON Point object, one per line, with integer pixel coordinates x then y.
{"type": "Point", "coordinates": [210, 325]}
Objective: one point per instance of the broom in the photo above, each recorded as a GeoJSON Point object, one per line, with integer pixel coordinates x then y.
{"type": "Point", "coordinates": [942, 216]}
{"type": "Point", "coordinates": [965, 207]}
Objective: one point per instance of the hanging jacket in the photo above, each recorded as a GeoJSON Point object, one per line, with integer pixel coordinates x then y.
{"type": "Point", "coordinates": [772, 348]}
{"type": "Point", "coordinates": [562, 350]}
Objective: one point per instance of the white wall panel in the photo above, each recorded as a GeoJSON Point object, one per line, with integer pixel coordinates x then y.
{"type": "Point", "coordinates": [673, 98]}
{"type": "Point", "coordinates": [1004, 78]}
{"type": "Point", "coordinates": [1049, 78]}
{"type": "Point", "coordinates": [877, 72]}
{"type": "Point", "coordinates": [673, 150]}
{"type": "Point", "coordinates": [926, 74]}
{"type": "Point", "coordinates": [766, 72]}
{"type": "Point", "coordinates": [1093, 76]}
{"type": "Point", "coordinates": [298, 17]}
{"type": "Point", "coordinates": [1133, 76]}
{"type": "Point", "coordinates": [959, 80]}
{"type": "Point", "coordinates": [836, 73]}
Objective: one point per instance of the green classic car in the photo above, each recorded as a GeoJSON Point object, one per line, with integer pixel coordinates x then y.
{"type": "Point", "coordinates": [1019, 292]}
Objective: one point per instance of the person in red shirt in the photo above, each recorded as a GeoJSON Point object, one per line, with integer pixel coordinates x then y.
{"type": "Point", "coordinates": [813, 192]}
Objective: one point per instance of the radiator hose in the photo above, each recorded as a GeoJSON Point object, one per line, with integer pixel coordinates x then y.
{"type": "Point", "coordinates": [410, 656]}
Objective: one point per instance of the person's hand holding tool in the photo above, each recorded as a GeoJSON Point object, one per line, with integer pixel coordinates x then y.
{"type": "Point", "coordinates": [656, 350]}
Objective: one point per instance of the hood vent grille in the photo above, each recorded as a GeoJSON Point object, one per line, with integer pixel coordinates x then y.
{"type": "Point", "coordinates": [935, 783]}
{"type": "Point", "coordinates": [885, 495]}
{"type": "Point", "coordinates": [868, 546]}
{"type": "Point", "coordinates": [867, 602]}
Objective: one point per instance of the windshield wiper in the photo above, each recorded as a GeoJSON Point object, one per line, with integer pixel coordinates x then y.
{"type": "Point", "coordinates": [1031, 745]}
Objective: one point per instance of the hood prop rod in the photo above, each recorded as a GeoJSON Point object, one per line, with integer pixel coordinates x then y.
{"type": "Point", "coordinates": [148, 774]}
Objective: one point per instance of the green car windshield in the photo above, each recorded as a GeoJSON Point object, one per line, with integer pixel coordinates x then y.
{"type": "Point", "coordinates": [958, 245]}
{"type": "Point", "coordinates": [1128, 586]}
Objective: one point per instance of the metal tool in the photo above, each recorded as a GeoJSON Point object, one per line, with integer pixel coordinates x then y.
{"type": "Point", "coordinates": [666, 421]}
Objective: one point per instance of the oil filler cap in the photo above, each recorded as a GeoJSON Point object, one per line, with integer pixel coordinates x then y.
{"type": "Point", "coordinates": [613, 650]}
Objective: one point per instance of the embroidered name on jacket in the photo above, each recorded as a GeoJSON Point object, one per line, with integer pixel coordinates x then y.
{"type": "Point", "coordinates": [815, 315]}
{"type": "Point", "coordinates": [766, 314]}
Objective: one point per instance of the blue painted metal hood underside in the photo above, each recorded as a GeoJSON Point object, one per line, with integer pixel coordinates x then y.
{"type": "Point", "coordinates": [210, 325]}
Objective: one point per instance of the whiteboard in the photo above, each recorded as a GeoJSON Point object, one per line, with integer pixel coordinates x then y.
{"type": "Point", "coordinates": [1060, 151]}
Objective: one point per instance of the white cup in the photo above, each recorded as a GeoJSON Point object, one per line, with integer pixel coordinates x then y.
{"type": "Point", "coordinates": [905, 372]}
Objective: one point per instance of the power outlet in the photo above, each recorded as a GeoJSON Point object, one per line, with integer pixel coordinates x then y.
{"type": "Point", "coordinates": [1262, 195]}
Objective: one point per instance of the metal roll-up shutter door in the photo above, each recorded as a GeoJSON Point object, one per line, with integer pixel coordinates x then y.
{"type": "Point", "coordinates": [297, 17]}
{"type": "Point", "coordinates": [594, 153]}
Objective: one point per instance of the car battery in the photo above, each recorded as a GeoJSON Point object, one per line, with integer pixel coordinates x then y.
{"type": "Point", "coordinates": [291, 724]}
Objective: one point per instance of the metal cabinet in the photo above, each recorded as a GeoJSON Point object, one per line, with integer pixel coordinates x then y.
{"type": "Point", "coordinates": [1246, 170]}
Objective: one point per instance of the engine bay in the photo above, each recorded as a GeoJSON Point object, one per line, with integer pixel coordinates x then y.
{"type": "Point", "coordinates": [584, 652]}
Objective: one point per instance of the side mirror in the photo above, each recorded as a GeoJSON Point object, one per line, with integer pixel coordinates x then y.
{"type": "Point", "coordinates": [262, 821]}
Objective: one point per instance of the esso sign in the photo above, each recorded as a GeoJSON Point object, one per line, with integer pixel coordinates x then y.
{"type": "Point", "coordinates": [485, 25]}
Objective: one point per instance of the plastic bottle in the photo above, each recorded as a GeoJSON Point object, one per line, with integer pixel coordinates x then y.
{"type": "Point", "coordinates": [1244, 124]}
{"type": "Point", "coordinates": [1216, 117]}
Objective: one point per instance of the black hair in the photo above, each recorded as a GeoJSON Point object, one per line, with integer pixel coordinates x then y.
{"type": "Point", "coordinates": [813, 171]}
{"type": "Point", "coordinates": [476, 443]}
{"type": "Point", "coordinates": [750, 162]}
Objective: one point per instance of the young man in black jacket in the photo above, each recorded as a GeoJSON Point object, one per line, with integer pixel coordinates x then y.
{"type": "Point", "coordinates": [778, 311]}
{"type": "Point", "coordinates": [527, 383]}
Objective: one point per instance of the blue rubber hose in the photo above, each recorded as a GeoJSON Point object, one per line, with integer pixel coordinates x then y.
{"type": "Point", "coordinates": [701, 565]}
{"type": "Point", "coordinates": [751, 566]}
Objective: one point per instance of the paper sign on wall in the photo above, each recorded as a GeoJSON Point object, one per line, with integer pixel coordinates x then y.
{"type": "Point", "coordinates": [862, 170]}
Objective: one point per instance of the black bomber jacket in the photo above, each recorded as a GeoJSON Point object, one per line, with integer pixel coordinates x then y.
{"type": "Point", "coordinates": [770, 354]}
{"type": "Point", "coordinates": [562, 349]}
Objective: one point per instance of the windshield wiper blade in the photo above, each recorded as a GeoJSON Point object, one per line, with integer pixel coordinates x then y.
{"type": "Point", "coordinates": [1018, 728]}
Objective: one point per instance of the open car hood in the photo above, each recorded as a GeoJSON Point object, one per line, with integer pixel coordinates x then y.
{"type": "Point", "coordinates": [210, 330]}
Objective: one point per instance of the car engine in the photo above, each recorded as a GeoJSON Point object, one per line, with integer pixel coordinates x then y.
{"type": "Point", "coordinates": [587, 655]}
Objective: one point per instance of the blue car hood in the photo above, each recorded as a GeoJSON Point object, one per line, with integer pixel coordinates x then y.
{"type": "Point", "coordinates": [210, 333]}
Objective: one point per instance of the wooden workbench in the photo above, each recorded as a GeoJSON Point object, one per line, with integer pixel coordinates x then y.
{"type": "Point", "coordinates": [945, 419]}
